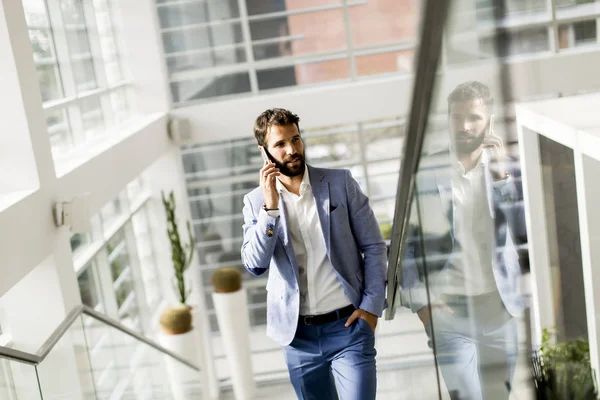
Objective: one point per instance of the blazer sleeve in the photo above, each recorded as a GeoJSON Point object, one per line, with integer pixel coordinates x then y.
{"type": "Point", "coordinates": [260, 237]}
{"type": "Point", "coordinates": [367, 235]}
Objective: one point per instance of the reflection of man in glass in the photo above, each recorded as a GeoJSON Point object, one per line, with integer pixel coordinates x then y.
{"type": "Point", "coordinates": [475, 297]}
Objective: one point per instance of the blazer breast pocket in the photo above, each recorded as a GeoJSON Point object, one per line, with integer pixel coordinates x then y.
{"type": "Point", "coordinates": [335, 211]}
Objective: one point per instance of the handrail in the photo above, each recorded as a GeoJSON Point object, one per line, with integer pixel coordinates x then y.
{"type": "Point", "coordinates": [63, 327]}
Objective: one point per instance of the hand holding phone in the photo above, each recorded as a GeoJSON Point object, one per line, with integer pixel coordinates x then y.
{"type": "Point", "coordinates": [265, 156]}
{"type": "Point", "coordinates": [268, 175]}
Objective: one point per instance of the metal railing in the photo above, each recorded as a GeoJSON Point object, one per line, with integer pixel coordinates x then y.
{"type": "Point", "coordinates": [45, 349]}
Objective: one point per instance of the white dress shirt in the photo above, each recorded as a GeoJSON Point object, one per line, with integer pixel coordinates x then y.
{"type": "Point", "coordinates": [470, 270]}
{"type": "Point", "coordinates": [320, 289]}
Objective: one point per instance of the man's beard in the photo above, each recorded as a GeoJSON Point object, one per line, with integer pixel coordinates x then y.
{"type": "Point", "coordinates": [291, 170]}
{"type": "Point", "coordinates": [470, 144]}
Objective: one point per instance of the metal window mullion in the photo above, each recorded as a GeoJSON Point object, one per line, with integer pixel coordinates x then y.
{"type": "Point", "coordinates": [349, 41]}
{"type": "Point", "coordinates": [247, 37]}
{"type": "Point", "coordinates": [273, 63]}
{"type": "Point", "coordinates": [136, 276]}
{"type": "Point", "coordinates": [363, 157]}
{"type": "Point", "coordinates": [65, 66]}
{"type": "Point", "coordinates": [143, 213]}
{"type": "Point", "coordinates": [93, 36]}
{"type": "Point", "coordinates": [553, 28]}
{"type": "Point", "coordinates": [63, 103]}
{"type": "Point", "coordinates": [117, 38]}
{"type": "Point", "coordinates": [106, 283]}
{"type": "Point", "coordinates": [310, 10]}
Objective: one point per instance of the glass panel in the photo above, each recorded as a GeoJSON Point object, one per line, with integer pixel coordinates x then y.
{"type": "Point", "coordinates": [44, 53]}
{"type": "Point", "coordinates": [273, 6]}
{"type": "Point", "coordinates": [120, 105]}
{"type": "Point", "coordinates": [375, 64]}
{"type": "Point", "coordinates": [131, 369]}
{"type": "Point", "coordinates": [210, 87]}
{"type": "Point", "coordinates": [79, 241]}
{"type": "Point", "coordinates": [332, 150]}
{"type": "Point", "coordinates": [84, 73]}
{"type": "Point", "coordinates": [92, 117]}
{"type": "Point", "coordinates": [202, 37]}
{"type": "Point", "coordinates": [66, 371]}
{"type": "Point", "coordinates": [303, 74]}
{"type": "Point", "coordinates": [577, 34]}
{"type": "Point", "coordinates": [486, 10]}
{"type": "Point", "coordinates": [111, 212]}
{"type": "Point", "coordinates": [383, 178]}
{"type": "Point", "coordinates": [123, 284]}
{"type": "Point", "coordinates": [135, 190]}
{"type": "Point", "coordinates": [569, 3]}
{"type": "Point", "coordinates": [192, 13]}
{"type": "Point", "coordinates": [306, 29]}
{"type": "Point", "coordinates": [59, 130]}
{"type": "Point", "coordinates": [145, 253]}
{"type": "Point", "coordinates": [383, 139]}
{"type": "Point", "coordinates": [89, 287]}
{"type": "Point", "coordinates": [384, 22]}
{"type": "Point", "coordinates": [109, 45]}
{"type": "Point", "coordinates": [18, 381]}
{"type": "Point", "coordinates": [49, 79]}
{"type": "Point", "coordinates": [79, 45]}
{"type": "Point", "coordinates": [471, 271]}
{"type": "Point", "coordinates": [532, 40]}
{"type": "Point", "coordinates": [206, 58]}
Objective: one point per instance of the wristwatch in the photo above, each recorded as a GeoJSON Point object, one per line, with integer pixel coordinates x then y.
{"type": "Point", "coordinates": [264, 207]}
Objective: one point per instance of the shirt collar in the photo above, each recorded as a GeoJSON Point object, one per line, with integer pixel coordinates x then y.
{"type": "Point", "coordinates": [303, 186]}
{"type": "Point", "coordinates": [483, 161]}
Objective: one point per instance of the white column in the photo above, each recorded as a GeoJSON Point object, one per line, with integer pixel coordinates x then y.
{"type": "Point", "coordinates": [24, 138]}
{"type": "Point", "coordinates": [588, 199]}
{"type": "Point", "coordinates": [535, 217]}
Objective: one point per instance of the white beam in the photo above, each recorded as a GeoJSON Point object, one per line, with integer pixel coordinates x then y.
{"type": "Point", "coordinates": [588, 198]}
{"type": "Point", "coordinates": [106, 173]}
{"type": "Point", "coordinates": [25, 154]}
{"type": "Point", "coordinates": [542, 300]}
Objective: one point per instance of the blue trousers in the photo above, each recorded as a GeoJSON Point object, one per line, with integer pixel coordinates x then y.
{"type": "Point", "coordinates": [476, 347]}
{"type": "Point", "coordinates": [330, 361]}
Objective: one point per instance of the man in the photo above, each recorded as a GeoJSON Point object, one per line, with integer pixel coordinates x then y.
{"type": "Point", "coordinates": [476, 296]}
{"type": "Point", "coordinates": [313, 229]}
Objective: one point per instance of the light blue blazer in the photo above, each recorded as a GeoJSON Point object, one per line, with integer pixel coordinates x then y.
{"type": "Point", "coordinates": [353, 241]}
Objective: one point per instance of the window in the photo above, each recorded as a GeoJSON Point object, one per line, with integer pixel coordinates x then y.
{"type": "Point", "coordinates": [577, 34]}
{"type": "Point", "coordinates": [90, 289]}
{"type": "Point", "coordinates": [215, 49]}
{"type": "Point", "coordinates": [77, 56]}
{"type": "Point", "coordinates": [115, 264]}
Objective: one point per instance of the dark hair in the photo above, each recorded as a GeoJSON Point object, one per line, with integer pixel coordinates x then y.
{"type": "Point", "coordinates": [270, 117]}
{"type": "Point", "coordinates": [469, 91]}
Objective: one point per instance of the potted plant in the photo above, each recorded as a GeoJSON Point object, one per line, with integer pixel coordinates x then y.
{"type": "Point", "coordinates": [562, 371]}
{"type": "Point", "coordinates": [177, 319]}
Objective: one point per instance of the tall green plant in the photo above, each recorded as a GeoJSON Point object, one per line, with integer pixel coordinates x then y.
{"type": "Point", "coordinates": [180, 255]}
{"type": "Point", "coordinates": [563, 370]}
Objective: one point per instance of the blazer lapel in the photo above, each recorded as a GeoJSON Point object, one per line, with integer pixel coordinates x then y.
{"type": "Point", "coordinates": [320, 189]}
{"type": "Point", "coordinates": [284, 234]}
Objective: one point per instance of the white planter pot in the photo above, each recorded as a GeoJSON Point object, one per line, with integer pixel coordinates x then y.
{"type": "Point", "coordinates": [234, 325]}
{"type": "Point", "coordinates": [184, 381]}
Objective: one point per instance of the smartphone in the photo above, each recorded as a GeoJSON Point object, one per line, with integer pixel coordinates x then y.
{"type": "Point", "coordinates": [490, 128]}
{"type": "Point", "coordinates": [265, 155]}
